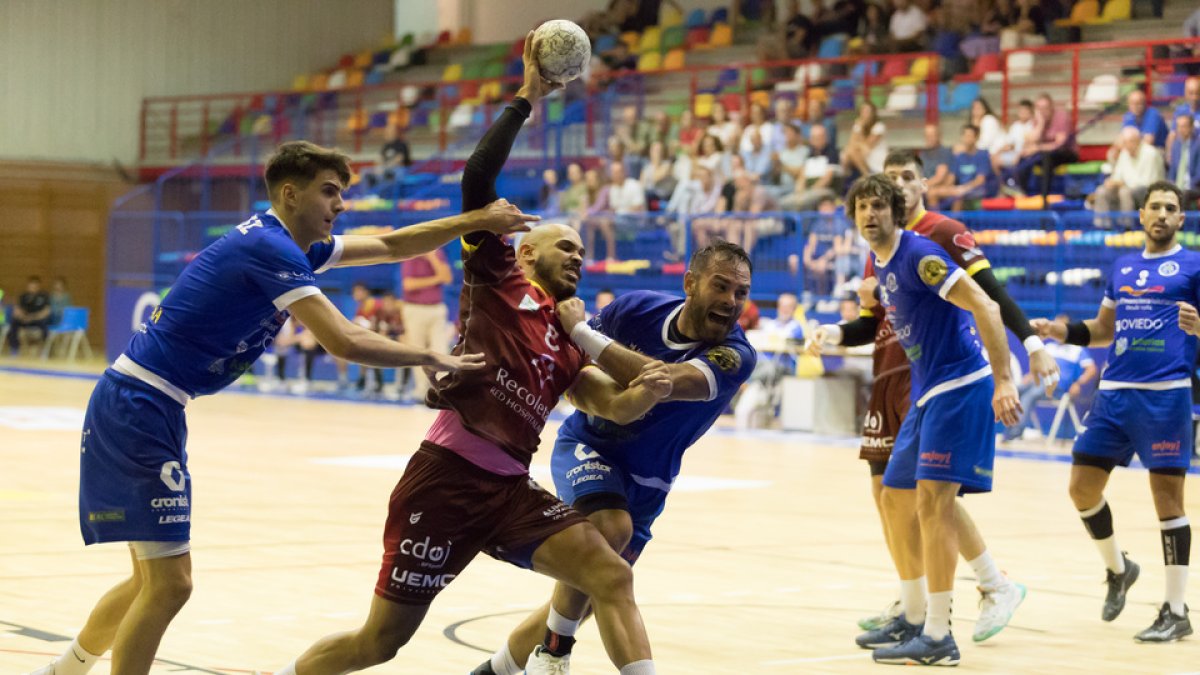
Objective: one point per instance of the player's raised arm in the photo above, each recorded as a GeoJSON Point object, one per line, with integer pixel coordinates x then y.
{"type": "Point", "coordinates": [966, 294]}
{"type": "Point", "coordinates": [352, 342]}
{"type": "Point", "coordinates": [498, 217]}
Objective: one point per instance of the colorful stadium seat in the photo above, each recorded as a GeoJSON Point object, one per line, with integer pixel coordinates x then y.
{"type": "Point", "coordinates": [650, 41]}
{"type": "Point", "coordinates": [1114, 10]}
{"type": "Point", "coordinates": [674, 60]}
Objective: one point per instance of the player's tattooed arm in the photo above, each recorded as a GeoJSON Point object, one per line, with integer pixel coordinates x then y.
{"type": "Point", "coordinates": [346, 340]}
{"type": "Point", "coordinates": [596, 393]}
{"type": "Point", "coordinates": [499, 218]}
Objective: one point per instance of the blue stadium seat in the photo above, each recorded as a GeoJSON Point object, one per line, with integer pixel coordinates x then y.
{"type": "Point", "coordinates": [832, 47]}
{"type": "Point", "coordinates": [73, 327]}
{"type": "Point", "coordinates": [695, 19]}
{"type": "Point", "coordinates": [606, 42]}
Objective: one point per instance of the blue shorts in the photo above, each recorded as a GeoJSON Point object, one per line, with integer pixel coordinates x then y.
{"type": "Point", "coordinates": [1154, 425]}
{"type": "Point", "coordinates": [133, 478]}
{"type": "Point", "coordinates": [950, 439]}
{"type": "Point", "coordinates": [580, 471]}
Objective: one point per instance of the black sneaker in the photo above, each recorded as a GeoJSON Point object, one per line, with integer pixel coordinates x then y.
{"type": "Point", "coordinates": [896, 632]}
{"type": "Point", "coordinates": [1118, 585]}
{"type": "Point", "coordinates": [484, 668]}
{"type": "Point", "coordinates": [1168, 627]}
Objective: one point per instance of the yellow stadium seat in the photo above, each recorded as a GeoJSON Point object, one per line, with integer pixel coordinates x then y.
{"type": "Point", "coordinates": [651, 39]}
{"type": "Point", "coordinates": [670, 17]}
{"type": "Point", "coordinates": [722, 35]}
{"type": "Point", "coordinates": [674, 60]}
{"type": "Point", "coordinates": [917, 73]}
{"type": "Point", "coordinates": [452, 73]}
{"type": "Point", "coordinates": [703, 105]}
{"type": "Point", "coordinates": [649, 61]}
{"type": "Point", "coordinates": [1114, 10]}
{"type": "Point", "coordinates": [1081, 13]}
{"type": "Point", "coordinates": [357, 121]}
{"type": "Point", "coordinates": [300, 83]}
{"type": "Point", "coordinates": [464, 36]}
{"type": "Point", "coordinates": [490, 91]}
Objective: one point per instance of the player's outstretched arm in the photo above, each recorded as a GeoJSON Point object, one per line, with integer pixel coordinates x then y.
{"type": "Point", "coordinates": [967, 294]}
{"type": "Point", "coordinates": [1097, 332]}
{"type": "Point", "coordinates": [1041, 364]}
{"type": "Point", "coordinates": [499, 218]}
{"type": "Point", "coordinates": [346, 340]}
{"type": "Point", "coordinates": [595, 393]}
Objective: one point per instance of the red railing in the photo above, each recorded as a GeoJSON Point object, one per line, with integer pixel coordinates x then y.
{"type": "Point", "coordinates": [176, 128]}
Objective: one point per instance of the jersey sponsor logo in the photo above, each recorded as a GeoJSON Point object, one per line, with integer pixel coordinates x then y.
{"type": "Point", "coordinates": [1139, 292]}
{"type": "Point", "coordinates": [891, 282]}
{"type": "Point", "coordinates": [113, 516]}
{"type": "Point", "coordinates": [1168, 269]}
{"type": "Point", "coordinates": [879, 442]}
{"type": "Point", "coordinates": [1120, 346]}
{"type": "Point", "coordinates": [874, 422]}
{"type": "Point", "coordinates": [1140, 323]}
{"type": "Point", "coordinates": [1126, 270]}
{"type": "Point", "coordinates": [589, 466]}
{"type": "Point", "coordinates": [420, 580]}
{"type": "Point", "coordinates": [1165, 448]}
{"type": "Point", "coordinates": [966, 242]}
{"type": "Point", "coordinates": [725, 358]}
{"type": "Point", "coordinates": [415, 518]}
{"type": "Point", "coordinates": [295, 276]}
{"type": "Point", "coordinates": [172, 475]}
{"type": "Point", "coordinates": [557, 512]}
{"type": "Point", "coordinates": [543, 365]}
{"type": "Point", "coordinates": [935, 459]}
{"type": "Point", "coordinates": [432, 555]}
{"type": "Point", "coordinates": [180, 502]}
{"type": "Point", "coordinates": [172, 520]}
{"type": "Point", "coordinates": [932, 270]}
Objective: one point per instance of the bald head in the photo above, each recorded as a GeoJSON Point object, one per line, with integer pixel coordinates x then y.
{"type": "Point", "coordinates": [1130, 138]}
{"type": "Point", "coordinates": [551, 255]}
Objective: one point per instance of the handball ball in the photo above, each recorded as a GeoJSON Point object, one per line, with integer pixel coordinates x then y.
{"type": "Point", "coordinates": [563, 50]}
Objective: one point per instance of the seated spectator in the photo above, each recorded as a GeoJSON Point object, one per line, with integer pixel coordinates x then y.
{"type": "Point", "coordinates": [938, 160]}
{"type": "Point", "coordinates": [60, 299]}
{"type": "Point", "coordinates": [872, 31]}
{"type": "Point", "coordinates": [645, 13]}
{"type": "Point", "coordinates": [749, 199]}
{"type": "Point", "coordinates": [906, 27]}
{"type": "Point", "coordinates": [548, 193]}
{"type": "Point", "coordinates": [799, 39]}
{"type": "Point", "coordinates": [1076, 368]}
{"type": "Point", "coordinates": [1190, 106]}
{"type": "Point", "coordinates": [843, 17]}
{"type": "Point", "coordinates": [573, 199]}
{"type": "Point", "coordinates": [785, 114]}
{"type": "Point", "coordinates": [784, 331]}
{"type": "Point", "coordinates": [723, 127]}
{"type": "Point", "coordinates": [394, 157]}
{"type": "Point", "coordinates": [1138, 165]}
{"type": "Point", "coordinates": [1006, 151]}
{"type": "Point", "coordinates": [759, 123]}
{"type": "Point", "coordinates": [1191, 29]}
{"type": "Point", "coordinates": [816, 115]}
{"type": "Point", "coordinates": [619, 58]}
{"type": "Point", "coordinates": [663, 131]}
{"type": "Point", "coordinates": [867, 147]}
{"type": "Point", "coordinates": [1055, 144]}
{"type": "Point", "coordinates": [973, 176]}
{"type": "Point", "coordinates": [691, 130]}
{"type": "Point", "coordinates": [757, 156]}
{"type": "Point", "coordinates": [990, 130]}
{"type": "Point", "coordinates": [789, 160]}
{"type": "Point", "coordinates": [701, 194]}
{"type": "Point", "coordinates": [635, 134]}
{"type": "Point", "coordinates": [1184, 160]}
{"type": "Point", "coordinates": [597, 216]}
{"type": "Point", "coordinates": [1026, 26]}
{"type": "Point", "coordinates": [32, 311]}
{"type": "Point", "coordinates": [657, 178]}
{"type": "Point", "coordinates": [985, 39]}
{"type": "Point", "coordinates": [821, 174]}
{"type": "Point", "coordinates": [1144, 118]}
{"type": "Point", "coordinates": [714, 158]}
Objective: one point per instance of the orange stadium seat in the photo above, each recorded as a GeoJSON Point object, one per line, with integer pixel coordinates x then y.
{"type": "Point", "coordinates": [722, 36]}
{"type": "Point", "coordinates": [363, 59]}
{"type": "Point", "coordinates": [354, 78]}
{"type": "Point", "coordinates": [318, 82]}
{"type": "Point", "coordinates": [631, 39]}
{"type": "Point", "coordinates": [674, 60]}
{"type": "Point", "coordinates": [1083, 12]}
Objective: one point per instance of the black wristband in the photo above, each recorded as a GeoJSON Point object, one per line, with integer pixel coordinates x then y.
{"type": "Point", "coordinates": [1079, 334]}
{"type": "Point", "coordinates": [524, 108]}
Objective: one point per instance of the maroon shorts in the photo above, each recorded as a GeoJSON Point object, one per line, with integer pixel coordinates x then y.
{"type": "Point", "coordinates": [885, 412]}
{"type": "Point", "coordinates": [445, 509]}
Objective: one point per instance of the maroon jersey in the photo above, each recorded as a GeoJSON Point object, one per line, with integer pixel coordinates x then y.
{"type": "Point", "coordinates": [958, 241]}
{"type": "Point", "coordinates": [530, 361]}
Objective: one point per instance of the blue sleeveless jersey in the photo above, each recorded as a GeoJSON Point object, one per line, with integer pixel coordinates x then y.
{"type": "Point", "coordinates": [939, 338]}
{"type": "Point", "coordinates": [1149, 351]}
{"type": "Point", "coordinates": [228, 305]}
{"type": "Point", "coordinates": [652, 448]}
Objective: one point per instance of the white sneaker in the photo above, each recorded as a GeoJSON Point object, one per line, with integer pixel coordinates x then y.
{"type": "Point", "coordinates": [44, 670]}
{"type": "Point", "coordinates": [996, 608]}
{"type": "Point", "coordinates": [542, 662]}
{"type": "Point", "coordinates": [888, 615]}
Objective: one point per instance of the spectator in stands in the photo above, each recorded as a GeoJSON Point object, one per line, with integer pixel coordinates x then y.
{"type": "Point", "coordinates": [608, 20]}
{"type": "Point", "coordinates": [573, 199]}
{"type": "Point", "coordinates": [973, 175]}
{"type": "Point", "coordinates": [32, 311]}
{"type": "Point", "coordinates": [604, 298]}
{"type": "Point", "coordinates": [548, 193]}
{"type": "Point", "coordinates": [594, 218]}
{"type": "Point", "coordinates": [1190, 106]}
{"type": "Point", "coordinates": [816, 115]}
{"type": "Point", "coordinates": [757, 156]}
{"type": "Point", "coordinates": [723, 127]}
{"type": "Point", "coordinates": [785, 330]}
{"type": "Point", "coordinates": [906, 27]}
{"type": "Point", "coordinates": [60, 299]}
{"type": "Point", "coordinates": [365, 309]}
{"type": "Point", "coordinates": [714, 157]}
{"type": "Point", "coordinates": [389, 322]}
{"type": "Point", "coordinates": [701, 194]}
{"type": "Point", "coordinates": [789, 161]}
{"type": "Point", "coordinates": [799, 39]}
{"type": "Point", "coordinates": [872, 31]}
{"type": "Point", "coordinates": [1191, 29]}
{"type": "Point", "coordinates": [759, 123]}
{"type": "Point", "coordinates": [1075, 367]}
{"type": "Point", "coordinates": [985, 39]}
{"type": "Point", "coordinates": [1138, 165]}
{"type": "Point", "coordinates": [821, 251]}
{"type": "Point", "coordinates": [867, 147]}
{"type": "Point", "coordinates": [990, 130]}
{"type": "Point", "coordinates": [624, 197]}
{"type": "Point", "coordinates": [821, 173]}
{"type": "Point", "coordinates": [785, 115]}
{"type": "Point", "coordinates": [937, 159]}
{"type": "Point", "coordinates": [657, 178]}
{"type": "Point", "coordinates": [424, 312]}
{"type": "Point", "coordinates": [843, 17]}
{"type": "Point", "coordinates": [635, 135]}
{"type": "Point", "coordinates": [1026, 26]}
{"type": "Point", "coordinates": [1184, 160]}
{"type": "Point", "coordinates": [1006, 151]}
{"type": "Point", "coordinates": [619, 58]}
{"type": "Point", "coordinates": [663, 130]}
{"type": "Point", "coordinates": [750, 198]}
{"type": "Point", "coordinates": [691, 130]}
{"type": "Point", "coordinates": [646, 13]}
{"type": "Point", "coordinates": [1144, 118]}
{"type": "Point", "coordinates": [1054, 145]}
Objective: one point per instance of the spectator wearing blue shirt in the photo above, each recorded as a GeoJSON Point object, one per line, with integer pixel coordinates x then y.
{"type": "Point", "coordinates": [1076, 368]}
{"type": "Point", "coordinates": [757, 156]}
{"type": "Point", "coordinates": [1147, 120]}
{"type": "Point", "coordinates": [974, 177]}
{"type": "Point", "coordinates": [1190, 106]}
{"type": "Point", "coordinates": [1183, 160]}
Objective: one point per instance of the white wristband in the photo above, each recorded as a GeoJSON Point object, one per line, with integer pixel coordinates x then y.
{"type": "Point", "coordinates": [833, 334]}
{"type": "Point", "coordinates": [590, 340]}
{"type": "Point", "coordinates": [1033, 343]}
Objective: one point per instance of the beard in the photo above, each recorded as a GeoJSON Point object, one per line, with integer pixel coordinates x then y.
{"type": "Point", "coordinates": [552, 275]}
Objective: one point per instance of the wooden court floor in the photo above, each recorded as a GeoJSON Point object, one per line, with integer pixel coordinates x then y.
{"type": "Point", "coordinates": [766, 555]}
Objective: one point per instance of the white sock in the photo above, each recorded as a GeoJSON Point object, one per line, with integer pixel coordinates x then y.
{"type": "Point", "coordinates": [1176, 583]}
{"type": "Point", "coordinates": [1113, 559]}
{"type": "Point", "coordinates": [986, 572]}
{"type": "Point", "coordinates": [289, 669]}
{"type": "Point", "coordinates": [504, 664]}
{"type": "Point", "coordinates": [912, 599]}
{"type": "Point", "coordinates": [75, 661]}
{"type": "Point", "coordinates": [937, 623]}
{"type": "Point", "coordinates": [644, 667]}
{"type": "Point", "coordinates": [561, 624]}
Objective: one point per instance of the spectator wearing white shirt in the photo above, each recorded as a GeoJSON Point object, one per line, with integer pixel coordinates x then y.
{"type": "Point", "coordinates": [785, 115]}
{"type": "Point", "coordinates": [1006, 150]}
{"type": "Point", "coordinates": [757, 157]}
{"type": "Point", "coordinates": [1138, 165]}
{"type": "Point", "coordinates": [625, 194]}
{"type": "Point", "coordinates": [821, 172]}
{"type": "Point", "coordinates": [789, 161]}
{"type": "Point", "coordinates": [906, 28]}
{"type": "Point", "coordinates": [759, 123]}
{"type": "Point", "coordinates": [724, 127]}
{"type": "Point", "coordinates": [990, 131]}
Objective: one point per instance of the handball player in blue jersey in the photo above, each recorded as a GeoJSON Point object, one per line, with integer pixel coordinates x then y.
{"type": "Point", "coordinates": [619, 475]}
{"type": "Point", "coordinates": [1144, 406]}
{"type": "Point", "coordinates": [946, 443]}
{"type": "Point", "coordinates": [225, 308]}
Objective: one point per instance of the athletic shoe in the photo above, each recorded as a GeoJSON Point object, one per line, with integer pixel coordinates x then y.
{"type": "Point", "coordinates": [996, 608]}
{"type": "Point", "coordinates": [922, 650]}
{"type": "Point", "coordinates": [44, 670]}
{"type": "Point", "coordinates": [883, 618]}
{"type": "Point", "coordinates": [542, 662]}
{"type": "Point", "coordinates": [484, 668]}
{"type": "Point", "coordinates": [1118, 586]}
{"type": "Point", "coordinates": [895, 633]}
{"type": "Point", "coordinates": [1168, 627]}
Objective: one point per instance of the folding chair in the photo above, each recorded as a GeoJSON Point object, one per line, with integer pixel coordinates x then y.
{"type": "Point", "coordinates": [73, 327]}
{"type": "Point", "coordinates": [1064, 407]}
